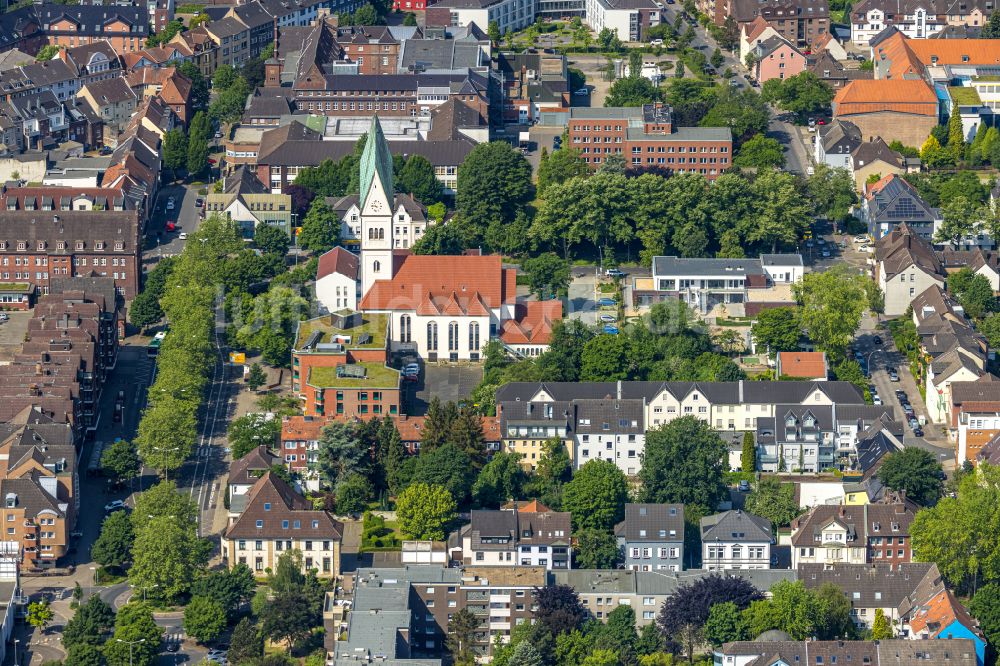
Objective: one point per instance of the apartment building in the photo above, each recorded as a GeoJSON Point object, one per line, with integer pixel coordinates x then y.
{"type": "Point", "coordinates": [736, 540]}
{"type": "Point", "coordinates": [975, 416]}
{"type": "Point", "coordinates": [646, 137]}
{"type": "Point", "coordinates": [800, 22]}
{"type": "Point", "coordinates": [92, 62]}
{"type": "Point", "coordinates": [905, 266]}
{"type": "Point", "coordinates": [276, 519]}
{"type": "Point", "coordinates": [651, 538]}
{"type": "Point", "coordinates": [871, 533]}
{"type": "Point", "coordinates": [244, 475]}
{"type": "Point", "coordinates": [706, 283]}
{"type": "Point", "coordinates": [532, 82]}
{"type": "Point", "coordinates": [509, 15]}
{"type": "Point", "coordinates": [892, 652]}
{"type": "Point", "coordinates": [528, 535]}
{"type": "Point", "coordinates": [124, 27]}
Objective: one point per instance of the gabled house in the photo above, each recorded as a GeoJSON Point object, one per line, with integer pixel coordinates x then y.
{"type": "Point", "coordinates": [651, 538]}
{"type": "Point", "coordinates": [337, 280]}
{"type": "Point", "coordinates": [736, 540]}
{"type": "Point", "coordinates": [754, 33]}
{"type": "Point", "coordinates": [114, 101]}
{"type": "Point", "coordinates": [944, 617]}
{"type": "Point", "coordinates": [905, 263]}
{"type": "Point", "coordinates": [522, 536]}
{"type": "Point", "coordinates": [875, 533]}
{"type": "Point", "coordinates": [905, 109]}
{"type": "Point", "coordinates": [891, 202]}
{"type": "Point", "coordinates": [874, 160]}
{"type": "Point", "coordinates": [276, 519]}
{"type": "Point", "coordinates": [802, 365]}
{"type": "Point", "coordinates": [777, 58]}
{"type": "Point", "coordinates": [835, 144]}
{"type": "Point", "coordinates": [244, 475]}
{"type": "Point", "coordinates": [974, 419]}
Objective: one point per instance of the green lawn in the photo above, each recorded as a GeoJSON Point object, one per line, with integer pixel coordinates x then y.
{"type": "Point", "coordinates": [372, 324]}
{"type": "Point", "coordinates": [964, 95]}
{"type": "Point", "coordinates": [377, 376]}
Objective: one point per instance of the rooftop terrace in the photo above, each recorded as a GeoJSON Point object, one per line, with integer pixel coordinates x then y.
{"type": "Point", "coordinates": [372, 330]}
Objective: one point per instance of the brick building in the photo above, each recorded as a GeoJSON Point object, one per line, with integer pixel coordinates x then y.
{"type": "Point", "coordinates": [125, 28]}
{"type": "Point", "coordinates": [800, 22]}
{"type": "Point", "coordinates": [870, 533]}
{"type": "Point", "coordinates": [647, 138]}
{"type": "Point", "coordinates": [51, 240]}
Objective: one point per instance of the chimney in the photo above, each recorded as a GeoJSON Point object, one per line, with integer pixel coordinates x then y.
{"type": "Point", "coordinates": [38, 368]}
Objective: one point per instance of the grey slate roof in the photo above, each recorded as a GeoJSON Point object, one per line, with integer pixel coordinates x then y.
{"type": "Point", "coordinates": [619, 416]}
{"type": "Point", "coordinates": [651, 523]}
{"type": "Point", "coordinates": [872, 585]}
{"type": "Point", "coordinates": [894, 652]}
{"type": "Point", "coordinates": [706, 266]}
{"type": "Point", "coordinates": [735, 526]}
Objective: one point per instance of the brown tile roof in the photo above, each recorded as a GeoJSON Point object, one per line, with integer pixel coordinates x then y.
{"type": "Point", "coordinates": [965, 52]}
{"type": "Point", "coordinates": [444, 284]}
{"type": "Point", "coordinates": [807, 365]}
{"type": "Point", "coordinates": [272, 501]}
{"type": "Point", "coordinates": [338, 260]}
{"type": "Point", "coordinates": [900, 96]}
{"type": "Point", "coordinates": [176, 89]}
{"type": "Point", "coordinates": [305, 428]}
{"type": "Point", "coordinates": [940, 612]}
{"type": "Point", "coordinates": [901, 248]}
{"type": "Point", "coordinates": [533, 323]}
{"type": "Point", "coordinates": [260, 459]}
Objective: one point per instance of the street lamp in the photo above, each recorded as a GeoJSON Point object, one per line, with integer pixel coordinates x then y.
{"type": "Point", "coordinates": [16, 641]}
{"type": "Point", "coordinates": [868, 361]}
{"type": "Point", "coordinates": [130, 644]}
{"type": "Point", "coordinates": [144, 588]}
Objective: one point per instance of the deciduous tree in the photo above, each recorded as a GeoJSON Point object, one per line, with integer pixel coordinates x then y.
{"type": "Point", "coordinates": [832, 304]}
{"type": "Point", "coordinates": [113, 547]}
{"type": "Point", "coordinates": [424, 511]}
{"type": "Point", "coordinates": [913, 471]}
{"type": "Point", "coordinates": [773, 500]}
{"type": "Point", "coordinates": [596, 496]}
{"type": "Point", "coordinates": [204, 619]}
{"type": "Point", "coordinates": [683, 464]}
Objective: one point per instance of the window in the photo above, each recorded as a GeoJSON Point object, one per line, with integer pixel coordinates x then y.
{"type": "Point", "coordinates": [453, 336]}
{"type": "Point", "coordinates": [474, 336]}
{"type": "Point", "coordinates": [405, 329]}
{"type": "Point", "coordinates": [432, 336]}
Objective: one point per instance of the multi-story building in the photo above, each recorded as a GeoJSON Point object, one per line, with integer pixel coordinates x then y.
{"type": "Point", "coordinates": [891, 652]}
{"type": "Point", "coordinates": [736, 540]}
{"type": "Point", "coordinates": [800, 22]}
{"type": "Point", "coordinates": [905, 264]}
{"type": "Point", "coordinates": [903, 109]}
{"type": "Point", "coordinates": [509, 15]}
{"type": "Point", "coordinates": [647, 138]}
{"type": "Point", "coordinates": [248, 202]}
{"type": "Point", "coordinates": [114, 101]}
{"type": "Point", "coordinates": [532, 82]}
{"type": "Point", "coordinates": [706, 283]}
{"type": "Point", "coordinates": [608, 429]}
{"type": "Point", "coordinates": [870, 533]}
{"type": "Point", "coordinates": [629, 19]}
{"type": "Point", "coordinates": [339, 367]}
{"type": "Point", "coordinates": [651, 538]}
{"type": "Point", "coordinates": [337, 286]}
{"type": "Point", "coordinates": [53, 240]}
{"type": "Point", "coordinates": [232, 39]}
{"type": "Point", "coordinates": [975, 416]}
{"type": "Point", "coordinates": [244, 475]}
{"type": "Point", "coordinates": [124, 27]}
{"type": "Point", "coordinates": [777, 58]}
{"type": "Point", "coordinates": [522, 536]}
{"type": "Point", "coordinates": [92, 62]}
{"type": "Point", "coordinates": [276, 519]}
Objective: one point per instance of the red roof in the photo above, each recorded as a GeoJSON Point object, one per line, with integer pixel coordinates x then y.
{"type": "Point", "coordinates": [533, 323]}
{"type": "Point", "coordinates": [939, 613]}
{"type": "Point", "coordinates": [806, 365]}
{"type": "Point", "coordinates": [444, 285]}
{"type": "Point", "coordinates": [913, 96]}
{"type": "Point", "coordinates": [305, 428]}
{"type": "Point", "coordinates": [338, 260]}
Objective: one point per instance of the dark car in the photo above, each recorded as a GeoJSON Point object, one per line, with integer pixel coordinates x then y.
{"type": "Point", "coordinates": [173, 646]}
{"type": "Point", "coordinates": [877, 340]}
{"type": "Point", "coordinates": [918, 432]}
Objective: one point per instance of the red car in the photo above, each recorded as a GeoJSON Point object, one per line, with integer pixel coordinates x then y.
{"type": "Point", "coordinates": [170, 225]}
{"type": "Point", "coordinates": [211, 161]}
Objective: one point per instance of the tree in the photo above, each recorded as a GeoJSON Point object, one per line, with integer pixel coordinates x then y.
{"type": "Point", "coordinates": [465, 432]}
{"type": "Point", "coordinates": [341, 452]}
{"type": "Point", "coordinates": [493, 30]}
{"type": "Point", "coordinates": [250, 431]}
{"type": "Point", "coordinates": [164, 500]}
{"type": "Point", "coordinates": [39, 614]}
{"type": "Point", "coordinates": [437, 425]}
{"type": "Point", "coordinates": [90, 624]}
{"type": "Point", "coordinates": [47, 52]}
{"type": "Point", "coordinates": [832, 190]}
{"type": "Point", "coordinates": [760, 151]}
{"type": "Point", "coordinates": [113, 547]}
{"type": "Point", "coordinates": [773, 500]}
{"type": "Point", "coordinates": [136, 641]}
{"type": "Point", "coordinates": [175, 149]}
{"type": "Point", "coordinates": [82, 655]}
{"type": "Point", "coordinates": [365, 15]}
{"type": "Point", "coordinates": [596, 549]}
{"type": "Point", "coordinates": [956, 137]}
{"type": "Point", "coordinates": [204, 619]}
{"type": "Point", "coordinates": [548, 275]}
{"type": "Point", "coordinates": [424, 511]}
{"type": "Point", "coordinates": [167, 557]}
{"type": "Point", "coordinates": [320, 228]}
{"type": "Point", "coordinates": [145, 310]}
{"type": "Point", "coordinates": [913, 471]}
{"type": "Point", "coordinates": [724, 624]}
{"type": "Point", "coordinates": [198, 134]}
{"type": "Point", "coordinates": [683, 616]}
{"type": "Point", "coordinates": [461, 634]}
{"type": "Point", "coordinates": [777, 330]}
{"type": "Point", "coordinates": [289, 617]}
{"type": "Point", "coordinates": [398, 467]}
{"type": "Point", "coordinates": [494, 183]}
{"type": "Point", "coordinates": [882, 630]}
{"type": "Point", "coordinates": [121, 461]}
{"type": "Point", "coordinates": [559, 167]}
{"type": "Point", "coordinates": [246, 642]}
{"type": "Point", "coordinates": [596, 496]}
{"type": "Point", "coordinates": [271, 239]}
{"type": "Point", "coordinates": [256, 377]}
{"type": "Point", "coordinates": [803, 93]}
{"type": "Point", "coordinates": [446, 466]}
{"type": "Point", "coordinates": [499, 481]}
{"type": "Point", "coordinates": [230, 102]}
{"type": "Point", "coordinates": [353, 494]}
{"type": "Point", "coordinates": [782, 213]}
{"type": "Point", "coordinates": [960, 216]}
{"type": "Point", "coordinates": [748, 459]}
{"type": "Point", "coordinates": [199, 86]}
{"type": "Point", "coordinates": [229, 587]}
{"type": "Point", "coordinates": [525, 654]}
{"type": "Point", "coordinates": [632, 91]}
{"type": "Point", "coordinates": [973, 291]}
{"type": "Point", "coordinates": [832, 304]}
{"type": "Point", "coordinates": [558, 609]}
{"type": "Point", "coordinates": [224, 77]}
{"type": "Point", "coordinates": [417, 178]}
{"type": "Point", "coordinates": [683, 464]}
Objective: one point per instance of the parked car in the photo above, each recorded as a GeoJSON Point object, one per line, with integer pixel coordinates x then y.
{"type": "Point", "coordinates": [610, 329]}
{"type": "Point", "coordinates": [183, 235]}
{"type": "Point", "coordinates": [608, 319]}
{"type": "Point", "coordinates": [114, 505]}
{"type": "Point", "coordinates": [913, 423]}
{"type": "Point", "coordinates": [893, 375]}
{"type": "Point", "coordinates": [614, 273]}
{"type": "Point", "coordinates": [582, 91]}
{"type": "Point", "coordinates": [3, 316]}
{"type": "Point", "coordinates": [876, 400]}
{"type": "Point", "coordinates": [877, 340]}
{"type": "Point", "coordinates": [607, 302]}
{"type": "Point", "coordinates": [863, 238]}
{"type": "Point", "coordinates": [744, 486]}
{"type": "Point", "coordinates": [656, 42]}
{"type": "Point", "coordinates": [901, 396]}
{"type": "Point", "coordinates": [918, 432]}
{"type": "Point", "coordinates": [825, 253]}
{"type": "Point", "coordinates": [170, 204]}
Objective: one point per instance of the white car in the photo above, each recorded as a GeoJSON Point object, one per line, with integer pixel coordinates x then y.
{"type": "Point", "coordinates": [876, 400]}
{"type": "Point", "coordinates": [608, 319]}
{"type": "Point", "coordinates": [217, 656]}
{"type": "Point", "coordinates": [114, 505]}
{"type": "Point", "coordinates": [582, 91]}
{"type": "Point", "coordinates": [170, 204]}
{"type": "Point", "coordinates": [863, 238]}
{"type": "Point", "coordinates": [183, 235]}
{"type": "Point", "coordinates": [3, 316]}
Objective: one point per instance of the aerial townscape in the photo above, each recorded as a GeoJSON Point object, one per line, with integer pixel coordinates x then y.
{"type": "Point", "coordinates": [510, 332]}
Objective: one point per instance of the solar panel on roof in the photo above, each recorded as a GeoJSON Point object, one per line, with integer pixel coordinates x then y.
{"type": "Point", "coordinates": [314, 337]}
{"type": "Point", "coordinates": [351, 371]}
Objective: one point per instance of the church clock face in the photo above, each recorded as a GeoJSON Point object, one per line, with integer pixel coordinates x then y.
{"type": "Point", "coordinates": [377, 206]}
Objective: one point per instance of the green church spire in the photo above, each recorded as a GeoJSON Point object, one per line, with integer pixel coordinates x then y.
{"type": "Point", "coordinates": [376, 159]}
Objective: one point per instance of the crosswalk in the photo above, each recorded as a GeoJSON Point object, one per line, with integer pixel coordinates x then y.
{"type": "Point", "coordinates": [174, 637]}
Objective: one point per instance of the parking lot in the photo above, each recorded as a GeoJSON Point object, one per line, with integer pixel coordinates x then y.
{"type": "Point", "coordinates": [449, 383]}
{"type": "Point", "coordinates": [12, 333]}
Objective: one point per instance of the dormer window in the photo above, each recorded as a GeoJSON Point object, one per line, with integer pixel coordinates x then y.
{"type": "Point", "coordinates": [119, 246]}
{"type": "Point", "coordinates": [60, 245]}
{"type": "Point", "coordinates": [100, 245]}
{"type": "Point", "coordinates": [41, 246]}
{"type": "Point", "coordinates": [790, 421]}
{"type": "Point", "coordinates": [21, 245]}
{"type": "Point", "coordinates": [79, 245]}
{"type": "Point", "coordinates": [3, 245]}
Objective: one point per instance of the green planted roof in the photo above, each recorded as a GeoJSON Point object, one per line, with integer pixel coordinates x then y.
{"type": "Point", "coordinates": [376, 159]}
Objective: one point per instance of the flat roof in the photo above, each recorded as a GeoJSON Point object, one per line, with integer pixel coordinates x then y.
{"type": "Point", "coordinates": [377, 375]}
{"type": "Point", "coordinates": [374, 325]}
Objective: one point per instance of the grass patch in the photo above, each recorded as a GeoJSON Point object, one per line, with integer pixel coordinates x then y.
{"type": "Point", "coordinates": [380, 535]}
{"type": "Point", "coordinates": [964, 95]}
{"type": "Point", "coordinates": [372, 324]}
{"type": "Point", "coordinates": [376, 376]}
{"type": "Point", "coordinates": [607, 288]}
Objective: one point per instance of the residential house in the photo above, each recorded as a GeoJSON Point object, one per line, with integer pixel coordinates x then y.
{"type": "Point", "coordinates": [731, 284]}
{"type": "Point", "coordinates": [903, 110]}
{"type": "Point", "coordinates": [776, 58]}
{"type": "Point", "coordinates": [248, 202]}
{"type": "Point", "coordinates": [892, 652]}
{"type": "Point", "coordinates": [533, 82]}
{"type": "Point", "coordinates": [974, 420]}
{"type": "Point", "coordinates": [172, 87]}
{"type": "Point", "coordinates": [647, 137]}
{"type": "Point", "coordinates": [114, 101]}
{"type": "Point", "coordinates": [944, 617]}
{"type": "Point", "coordinates": [874, 160]}
{"type": "Point", "coordinates": [905, 262]}
{"type": "Point", "coordinates": [954, 350]}
{"type": "Point", "coordinates": [606, 429]}
{"type": "Point", "coordinates": [337, 280]}
{"type": "Point", "coordinates": [516, 537]}
{"type": "Point", "coordinates": [835, 144]}
{"type": "Point", "coordinates": [979, 261]}
{"type": "Point", "coordinates": [276, 519]}
{"type": "Point", "coordinates": [300, 443]}
{"type": "Point", "coordinates": [800, 22]}
{"type": "Point", "coordinates": [93, 62]}
{"type": "Point", "coordinates": [651, 538]}
{"type": "Point", "coordinates": [873, 446]}
{"type": "Point", "coordinates": [837, 71]}
{"type": "Point", "coordinates": [736, 540]}
{"type": "Point", "coordinates": [753, 34]}
{"type": "Point", "coordinates": [873, 533]}
{"type": "Point", "coordinates": [802, 365]}
{"type": "Point", "coordinates": [232, 39]}
{"type": "Point", "coordinates": [41, 117]}
{"type": "Point", "coordinates": [244, 475]}
{"type": "Point", "coordinates": [124, 27]}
